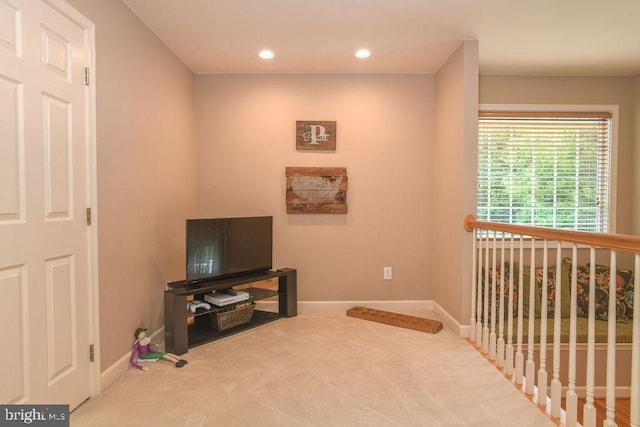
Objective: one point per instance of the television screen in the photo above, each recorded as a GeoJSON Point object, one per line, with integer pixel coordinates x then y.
{"type": "Point", "coordinates": [224, 247]}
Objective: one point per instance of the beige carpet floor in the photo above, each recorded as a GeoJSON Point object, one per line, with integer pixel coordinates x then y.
{"type": "Point", "coordinates": [318, 370]}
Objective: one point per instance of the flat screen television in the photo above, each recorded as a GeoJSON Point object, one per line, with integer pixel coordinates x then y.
{"type": "Point", "coordinates": [227, 247]}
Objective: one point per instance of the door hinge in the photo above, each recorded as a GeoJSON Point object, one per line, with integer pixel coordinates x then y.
{"type": "Point", "coordinates": [88, 214]}
{"type": "Point", "coordinates": [91, 353]}
{"type": "Point", "coordinates": [86, 76]}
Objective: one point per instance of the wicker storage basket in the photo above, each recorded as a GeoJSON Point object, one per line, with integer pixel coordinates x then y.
{"type": "Point", "coordinates": [235, 317]}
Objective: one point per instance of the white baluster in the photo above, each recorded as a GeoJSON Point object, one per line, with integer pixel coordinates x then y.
{"type": "Point", "coordinates": [635, 350]}
{"type": "Point", "coordinates": [509, 357]}
{"type": "Point", "coordinates": [556, 385]}
{"type": "Point", "coordinates": [589, 411]}
{"type": "Point", "coordinates": [474, 278]}
{"type": "Point", "coordinates": [485, 318]}
{"type": "Point", "coordinates": [479, 286]}
{"type": "Point", "coordinates": [492, 336]}
{"type": "Point", "coordinates": [610, 421]}
{"type": "Point", "coordinates": [500, 344]}
{"type": "Point", "coordinates": [542, 370]}
{"type": "Point", "coordinates": [571, 396]}
{"type": "Point", "coordinates": [519, 355]}
{"type": "Point", "coordinates": [483, 325]}
{"type": "Point", "coordinates": [531, 365]}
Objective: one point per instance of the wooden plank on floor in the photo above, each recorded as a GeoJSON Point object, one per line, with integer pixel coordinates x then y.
{"type": "Point", "coordinates": [396, 319]}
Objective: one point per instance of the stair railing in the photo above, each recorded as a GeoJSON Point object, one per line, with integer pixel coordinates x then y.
{"type": "Point", "coordinates": [488, 308]}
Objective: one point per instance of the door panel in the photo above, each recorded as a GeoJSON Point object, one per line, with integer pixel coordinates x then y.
{"type": "Point", "coordinates": [55, 53]}
{"type": "Point", "coordinates": [11, 158]}
{"type": "Point", "coordinates": [9, 24]}
{"type": "Point", "coordinates": [58, 169]}
{"type": "Point", "coordinates": [44, 190]}
{"type": "Point", "coordinates": [14, 338]}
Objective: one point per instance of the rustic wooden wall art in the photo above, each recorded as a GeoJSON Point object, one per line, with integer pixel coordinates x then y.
{"type": "Point", "coordinates": [315, 135]}
{"type": "Point", "coordinates": [316, 190]}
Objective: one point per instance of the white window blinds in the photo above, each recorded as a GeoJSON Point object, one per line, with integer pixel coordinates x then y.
{"type": "Point", "coordinates": [544, 169]}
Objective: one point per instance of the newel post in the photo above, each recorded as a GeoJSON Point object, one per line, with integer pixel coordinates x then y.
{"type": "Point", "coordinates": [468, 222]}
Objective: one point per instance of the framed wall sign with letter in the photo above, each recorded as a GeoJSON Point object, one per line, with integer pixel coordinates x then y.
{"type": "Point", "coordinates": [315, 135]}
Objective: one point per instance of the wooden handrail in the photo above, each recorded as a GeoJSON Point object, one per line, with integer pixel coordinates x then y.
{"type": "Point", "coordinates": [623, 242]}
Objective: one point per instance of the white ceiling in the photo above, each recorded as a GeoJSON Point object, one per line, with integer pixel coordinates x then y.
{"type": "Point", "coordinates": [574, 37]}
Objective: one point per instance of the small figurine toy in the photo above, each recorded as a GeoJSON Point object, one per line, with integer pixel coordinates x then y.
{"type": "Point", "coordinates": [142, 352]}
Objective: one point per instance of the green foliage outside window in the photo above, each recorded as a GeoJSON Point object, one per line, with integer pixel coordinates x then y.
{"type": "Point", "coordinates": [544, 172]}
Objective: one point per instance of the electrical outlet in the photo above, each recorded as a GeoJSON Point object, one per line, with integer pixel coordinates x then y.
{"type": "Point", "coordinates": [387, 273]}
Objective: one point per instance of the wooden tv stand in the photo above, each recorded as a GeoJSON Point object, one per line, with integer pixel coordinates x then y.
{"type": "Point", "coordinates": [184, 329]}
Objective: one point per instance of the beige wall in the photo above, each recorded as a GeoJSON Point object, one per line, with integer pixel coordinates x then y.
{"type": "Point", "coordinates": [145, 172]}
{"type": "Point", "coordinates": [580, 90]}
{"type": "Point", "coordinates": [404, 139]}
{"type": "Point", "coordinates": [454, 176]}
{"type": "Point", "coordinates": [245, 131]}
{"type": "Point", "coordinates": [636, 156]}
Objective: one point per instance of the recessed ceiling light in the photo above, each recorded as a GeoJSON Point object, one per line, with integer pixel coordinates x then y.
{"type": "Point", "coordinates": [266, 54]}
{"type": "Point", "coordinates": [363, 53]}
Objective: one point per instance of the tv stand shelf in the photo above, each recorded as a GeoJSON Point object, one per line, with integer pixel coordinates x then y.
{"type": "Point", "coordinates": [180, 336]}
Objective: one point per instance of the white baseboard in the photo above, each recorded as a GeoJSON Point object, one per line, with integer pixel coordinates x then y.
{"type": "Point", "coordinates": [397, 306]}
{"type": "Point", "coordinates": [409, 305]}
{"type": "Point", "coordinates": [120, 366]}
{"type": "Point", "coordinates": [113, 372]}
{"type": "Point", "coordinates": [343, 306]}
{"type": "Point", "coordinates": [461, 330]}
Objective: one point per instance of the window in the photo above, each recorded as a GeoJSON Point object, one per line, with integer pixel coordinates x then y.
{"type": "Point", "coordinates": [547, 169]}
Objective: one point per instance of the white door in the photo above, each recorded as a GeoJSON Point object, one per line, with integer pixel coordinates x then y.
{"type": "Point", "coordinates": [45, 172]}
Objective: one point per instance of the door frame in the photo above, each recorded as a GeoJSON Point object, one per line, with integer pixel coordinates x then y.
{"type": "Point", "coordinates": [92, 186]}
